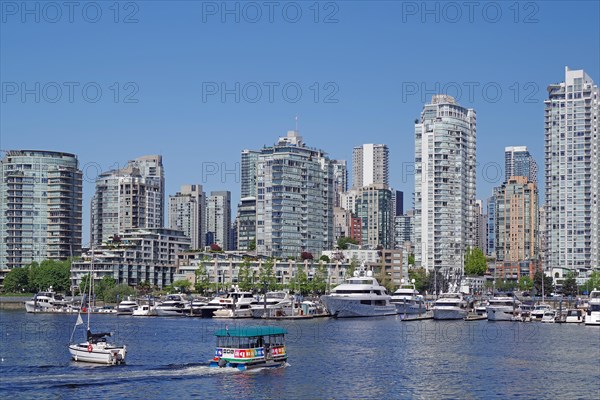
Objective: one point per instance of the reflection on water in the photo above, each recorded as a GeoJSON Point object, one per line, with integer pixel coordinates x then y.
{"type": "Point", "coordinates": [328, 358]}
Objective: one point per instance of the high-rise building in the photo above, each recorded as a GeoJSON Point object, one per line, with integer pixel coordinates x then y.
{"type": "Point", "coordinates": [491, 224]}
{"type": "Point", "coordinates": [518, 162]}
{"type": "Point", "coordinates": [398, 202]}
{"type": "Point", "coordinates": [248, 172]}
{"type": "Point", "coordinates": [445, 220]}
{"type": "Point", "coordinates": [374, 208]}
{"type": "Point", "coordinates": [481, 227]}
{"type": "Point", "coordinates": [187, 213]}
{"type": "Point", "coordinates": [132, 197]}
{"type": "Point", "coordinates": [403, 230]}
{"type": "Point", "coordinates": [246, 224]}
{"type": "Point", "coordinates": [218, 219]}
{"type": "Point", "coordinates": [340, 180]}
{"type": "Point", "coordinates": [370, 165]}
{"type": "Point", "coordinates": [517, 228]}
{"type": "Point", "coordinates": [40, 207]}
{"type": "Point", "coordinates": [294, 204]}
{"type": "Point", "coordinates": [572, 179]}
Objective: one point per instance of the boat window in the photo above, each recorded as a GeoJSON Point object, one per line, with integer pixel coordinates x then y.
{"type": "Point", "coordinates": [367, 302]}
{"type": "Point", "coordinates": [380, 302]}
{"type": "Point", "coordinates": [594, 307]}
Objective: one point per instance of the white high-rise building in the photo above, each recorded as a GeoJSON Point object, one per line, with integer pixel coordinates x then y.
{"type": "Point", "coordinates": [40, 207]}
{"type": "Point", "coordinates": [294, 203]}
{"type": "Point", "coordinates": [187, 213]}
{"type": "Point", "coordinates": [218, 219]}
{"type": "Point", "coordinates": [571, 173]}
{"type": "Point", "coordinates": [370, 165]}
{"type": "Point", "coordinates": [445, 160]}
{"type": "Point", "coordinates": [132, 197]}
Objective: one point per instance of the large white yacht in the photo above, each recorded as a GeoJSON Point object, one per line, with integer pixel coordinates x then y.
{"type": "Point", "coordinates": [48, 301]}
{"type": "Point", "coordinates": [174, 305]}
{"type": "Point", "coordinates": [127, 306]}
{"type": "Point", "coordinates": [502, 308]}
{"type": "Point", "coordinates": [235, 304]}
{"type": "Point", "coordinates": [592, 316]}
{"type": "Point", "coordinates": [450, 306]}
{"type": "Point", "coordinates": [359, 296]}
{"type": "Point", "coordinates": [272, 304]}
{"type": "Point", "coordinates": [408, 300]}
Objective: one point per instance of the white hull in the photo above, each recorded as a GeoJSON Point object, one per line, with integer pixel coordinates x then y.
{"type": "Point", "coordinates": [229, 313]}
{"type": "Point", "coordinates": [171, 312]}
{"type": "Point", "coordinates": [593, 318]}
{"type": "Point", "coordinates": [410, 308]}
{"type": "Point", "coordinates": [449, 313]}
{"type": "Point", "coordinates": [100, 353]}
{"type": "Point", "coordinates": [143, 311]}
{"type": "Point", "coordinates": [500, 313]}
{"type": "Point", "coordinates": [344, 307]}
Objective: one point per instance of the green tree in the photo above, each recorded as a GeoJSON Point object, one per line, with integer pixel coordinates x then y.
{"type": "Point", "coordinates": [475, 262]}
{"type": "Point", "coordinates": [353, 265]}
{"type": "Point", "coordinates": [252, 245]}
{"type": "Point", "coordinates": [51, 273]}
{"type": "Point", "coordinates": [202, 280]}
{"type": "Point", "coordinates": [266, 275]}
{"type": "Point", "coordinates": [593, 282]}
{"type": "Point", "coordinates": [182, 285]}
{"type": "Point", "coordinates": [245, 276]}
{"type": "Point", "coordinates": [144, 288]}
{"type": "Point", "coordinates": [385, 280]}
{"type": "Point", "coordinates": [318, 285]}
{"type": "Point", "coordinates": [118, 293]}
{"type": "Point", "coordinates": [17, 280]}
{"type": "Point", "coordinates": [525, 283]}
{"type": "Point", "coordinates": [342, 242]}
{"type": "Point", "coordinates": [84, 285]}
{"type": "Point", "coordinates": [325, 258]}
{"type": "Point", "coordinates": [411, 259]}
{"type": "Point", "coordinates": [569, 285]}
{"type": "Point", "coordinates": [420, 277]}
{"type": "Point", "coordinates": [300, 282]}
{"type": "Point", "coordinates": [537, 283]}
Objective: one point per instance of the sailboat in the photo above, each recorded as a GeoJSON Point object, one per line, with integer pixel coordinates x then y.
{"type": "Point", "coordinates": [95, 349]}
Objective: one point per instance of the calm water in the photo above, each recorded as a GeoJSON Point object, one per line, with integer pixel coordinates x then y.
{"type": "Point", "coordinates": [380, 358]}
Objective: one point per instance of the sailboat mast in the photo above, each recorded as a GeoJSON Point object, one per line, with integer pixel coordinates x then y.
{"type": "Point", "coordinates": [91, 283]}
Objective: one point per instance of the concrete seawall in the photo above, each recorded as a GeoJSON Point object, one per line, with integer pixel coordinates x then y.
{"type": "Point", "coordinates": [13, 303]}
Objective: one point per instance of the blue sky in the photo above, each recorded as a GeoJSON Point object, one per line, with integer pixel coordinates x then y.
{"type": "Point", "coordinates": [364, 70]}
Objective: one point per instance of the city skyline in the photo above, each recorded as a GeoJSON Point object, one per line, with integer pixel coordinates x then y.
{"type": "Point", "coordinates": [358, 85]}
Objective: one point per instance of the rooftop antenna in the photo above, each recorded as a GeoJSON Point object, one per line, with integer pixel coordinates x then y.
{"type": "Point", "coordinates": [296, 123]}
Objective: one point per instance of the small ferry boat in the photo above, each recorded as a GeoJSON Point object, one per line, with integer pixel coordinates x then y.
{"type": "Point", "coordinates": [250, 347]}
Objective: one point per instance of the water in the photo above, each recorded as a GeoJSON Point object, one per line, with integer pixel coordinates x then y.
{"type": "Point", "coordinates": [380, 358]}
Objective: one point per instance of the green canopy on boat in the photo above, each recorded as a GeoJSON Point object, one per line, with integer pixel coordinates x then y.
{"type": "Point", "coordinates": [251, 331]}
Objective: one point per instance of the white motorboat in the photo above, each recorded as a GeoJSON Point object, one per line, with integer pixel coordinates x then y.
{"type": "Point", "coordinates": [174, 305]}
{"type": "Point", "coordinates": [144, 310]}
{"type": "Point", "coordinates": [272, 304]}
{"type": "Point", "coordinates": [235, 304]}
{"type": "Point", "coordinates": [592, 316]}
{"type": "Point", "coordinates": [359, 296]}
{"type": "Point", "coordinates": [502, 308]}
{"type": "Point", "coordinates": [574, 316]}
{"type": "Point", "coordinates": [538, 311]}
{"type": "Point", "coordinates": [95, 349]}
{"type": "Point", "coordinates": [127, 306]}
{"type": "Point", "coordinates": [549, 316]}
{"type": "Point", "coordinates": [408, 300]}
{"type": "Point", "coordinates": [48, 301]}
{"type": "Point", "coordinates": [450, 306]}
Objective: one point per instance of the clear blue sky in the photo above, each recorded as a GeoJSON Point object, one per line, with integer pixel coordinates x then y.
{"type": "Point", "coordinates": [379, 60]}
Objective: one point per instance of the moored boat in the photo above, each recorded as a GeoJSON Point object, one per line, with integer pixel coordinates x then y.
{"type": "Point", "coordinates": [48, 301]}
{"type": "Point", "coordinates": [502, 308]}
{"type": "Point", "coordinates": [408, 300]}
{"type": "Point", "coordinates": [250, 347]}
{"type": "Point", "coordinates": [359, 296]}
{"type": "Point", "coordinates": [450, 306]}
{"type": "Point", "coordinates": [127, 306]}
{"type": "Point", "coordinates": [574, 316]}
{"type": "Point", "coordinates": [592, 316]}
